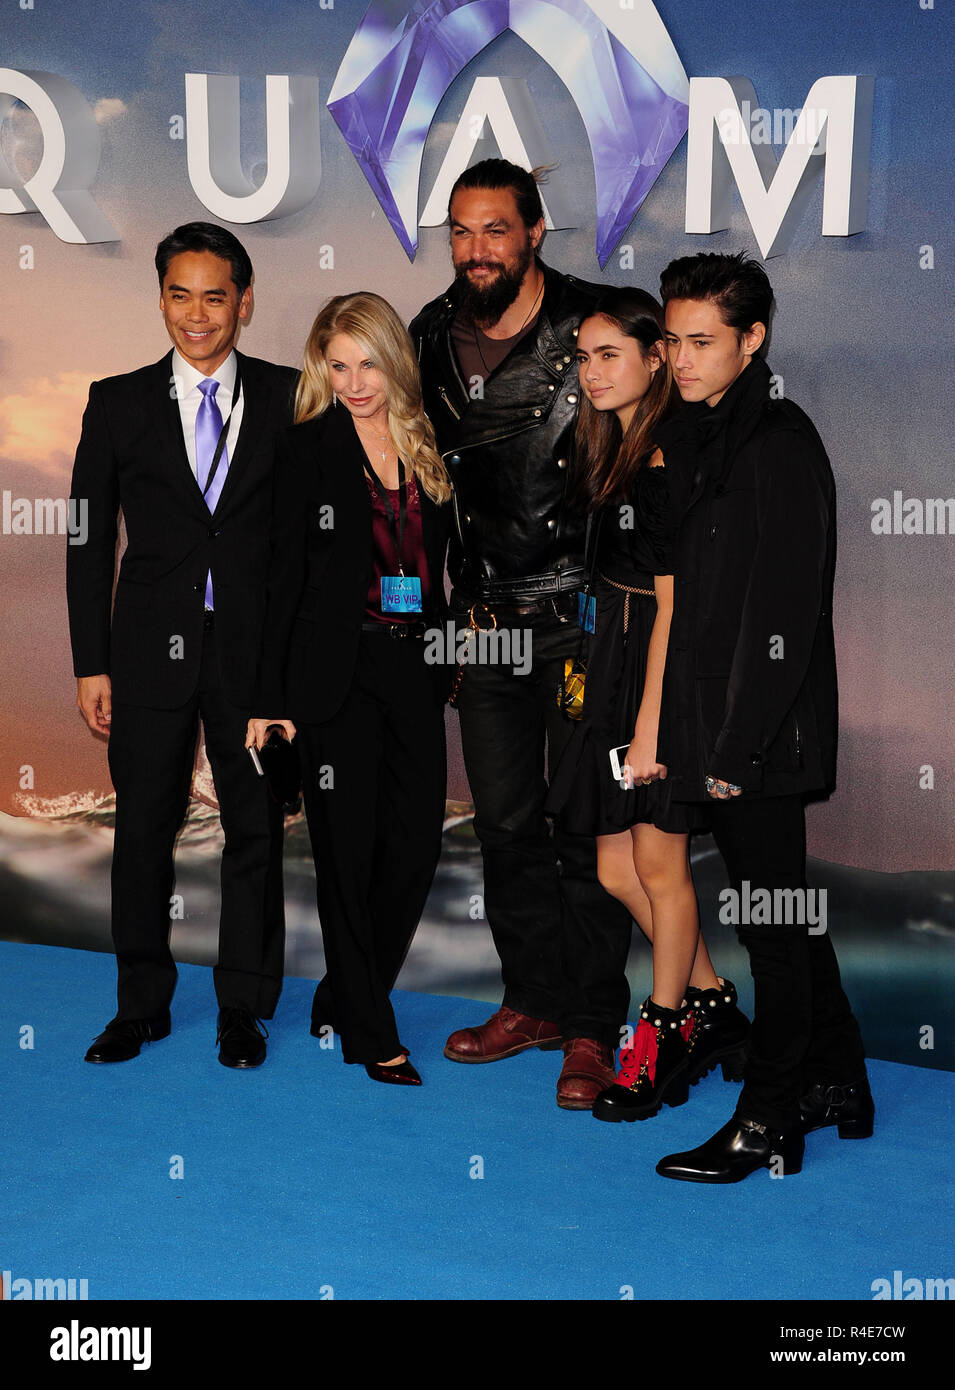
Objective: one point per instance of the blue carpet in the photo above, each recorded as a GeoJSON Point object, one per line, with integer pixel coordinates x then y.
{"type": "Point", "coordinates": [304, 1179]}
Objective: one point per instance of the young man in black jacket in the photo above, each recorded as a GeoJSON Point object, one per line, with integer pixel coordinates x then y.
{"type": "Point", "coordinates": [499, 375]}
{"type": "Point", "coordinates": [750, 703]}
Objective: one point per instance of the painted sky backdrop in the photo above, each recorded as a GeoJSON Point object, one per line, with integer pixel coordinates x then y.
{"type": "Point", "coordinates": [858, 336]}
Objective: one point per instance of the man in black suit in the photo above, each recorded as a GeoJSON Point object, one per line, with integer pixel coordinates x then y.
{"type": "Point", "coordinates": [749, 700]}
{"type": "Point", "coordinates": [185, 448]}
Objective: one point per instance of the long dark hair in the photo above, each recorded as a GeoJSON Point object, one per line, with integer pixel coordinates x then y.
{"type": "Point", "coordinates": [606, 460]}
{"type": "Point", "coordinates": [495, 174]}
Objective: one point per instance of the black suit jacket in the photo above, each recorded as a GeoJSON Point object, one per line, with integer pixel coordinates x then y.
{"type": "Point", "coordinates": [321, 569]}
{"type": "Point", "coordinates": [132, 455]}
{"type": "Point", "coordinates": [750, 690]}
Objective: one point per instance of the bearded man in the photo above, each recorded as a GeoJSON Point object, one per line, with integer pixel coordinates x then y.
{"type": "Point", "coordinates": [499, 372]}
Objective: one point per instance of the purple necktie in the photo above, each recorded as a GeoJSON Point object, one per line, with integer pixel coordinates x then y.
{"type": "Point", "coordinates": [208, 429]}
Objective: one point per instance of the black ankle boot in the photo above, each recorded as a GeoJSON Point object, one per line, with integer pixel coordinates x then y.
{"type": "Point", "coordinates": [849, 1106]}
{"type": "Point", "coordinates": [735, 1151]}
{"type": "Point", "coordinates": [653, 1069]}
{"type": "Point", "coordinates": [718, 1033]}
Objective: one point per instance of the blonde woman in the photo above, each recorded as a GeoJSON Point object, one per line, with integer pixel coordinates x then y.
{"type": "Point", "coordinates": [360, 530]}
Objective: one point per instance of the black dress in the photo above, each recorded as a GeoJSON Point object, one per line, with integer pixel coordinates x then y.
{"type": "Point", "coordinates": [631, 546]}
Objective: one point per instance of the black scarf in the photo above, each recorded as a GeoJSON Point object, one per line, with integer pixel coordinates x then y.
{"type": "Point", "coordinates": [704, 439]}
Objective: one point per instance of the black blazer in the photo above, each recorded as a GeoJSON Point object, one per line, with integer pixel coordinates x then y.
{"type": "Point", "coordinates": [321, 568]}
{"type": "Point", "coordinates": [132, 455]}
{"type": "Point", "coordinates": [750, 684]}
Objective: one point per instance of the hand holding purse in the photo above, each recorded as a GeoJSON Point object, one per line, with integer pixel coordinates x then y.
{"type": "Point", "coordinates": [278, 758]}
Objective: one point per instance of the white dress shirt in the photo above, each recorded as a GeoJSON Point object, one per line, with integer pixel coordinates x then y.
{"type": "Point", "coordinates": [187, 380]}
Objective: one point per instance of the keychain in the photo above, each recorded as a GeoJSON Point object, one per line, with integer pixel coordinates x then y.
{"type": "Point", "coordinates": [472, 627]}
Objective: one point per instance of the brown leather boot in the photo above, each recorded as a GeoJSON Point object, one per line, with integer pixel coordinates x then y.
{"type": "Point", "coordinates": [587, 1070]}
{"type": "Point", "coordinates": [503, 1035]}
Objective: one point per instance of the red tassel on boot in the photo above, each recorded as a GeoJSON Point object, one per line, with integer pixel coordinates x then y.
{"type": "Point", "coordinates": [642, 1053]}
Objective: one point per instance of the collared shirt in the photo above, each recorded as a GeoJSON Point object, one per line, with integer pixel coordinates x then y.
{"type": "Point", "coordinates": [187, 380]}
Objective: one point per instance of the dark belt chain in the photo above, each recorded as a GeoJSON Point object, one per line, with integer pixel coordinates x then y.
{"type": "Point", "coordinates": [473, 626]}
{"type": "Point", "coordinates": [397, 630]}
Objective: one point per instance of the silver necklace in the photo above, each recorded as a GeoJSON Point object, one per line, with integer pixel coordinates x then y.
{"type": "Point", "coordinates": [383, 439]}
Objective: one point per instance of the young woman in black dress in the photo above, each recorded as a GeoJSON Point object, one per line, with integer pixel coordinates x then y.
{"type": "Point", "coordinates": [690, 1020]}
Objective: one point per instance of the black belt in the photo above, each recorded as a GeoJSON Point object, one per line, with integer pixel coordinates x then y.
{"type": "Point", "coordinates": [531, 588]}
{"type": "Point", "coordinates": [396, 630]}
{"type": "Point", "coordinates": [555, 603]}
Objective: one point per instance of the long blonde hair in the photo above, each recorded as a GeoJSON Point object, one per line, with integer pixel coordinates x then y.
{"type": "Point", "coordinates": [373, 323]}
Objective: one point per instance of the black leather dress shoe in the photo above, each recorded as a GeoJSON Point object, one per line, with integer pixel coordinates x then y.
{"type": "Point", "coordinates": [735, 1151]}
{"type": "Point", "coordinates": [849, 1106]}
{"type": "Point", "coordinates": [403, 1074]}
{"type": "Point", "coordinates": [123, 1037]}
{"type": "Point", "coordinates": [241, 1038]}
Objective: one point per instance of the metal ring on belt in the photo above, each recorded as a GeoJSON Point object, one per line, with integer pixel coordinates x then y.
{"type": "Point", "coordinates": [628, 590]}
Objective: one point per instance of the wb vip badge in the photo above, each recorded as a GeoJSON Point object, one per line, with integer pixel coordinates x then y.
{"type": "Point", "coordinates": [586, 611]}
{"type": "Point", "coordinates": [400, 593]}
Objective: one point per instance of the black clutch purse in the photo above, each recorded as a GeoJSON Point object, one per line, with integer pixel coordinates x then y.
{"type": "Point", "coordinates": [282, 769]}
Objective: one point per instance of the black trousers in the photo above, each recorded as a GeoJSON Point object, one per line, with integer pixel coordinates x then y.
{"type": "Point", "coordinates": [374, 782]}
{"type": "Point", "coordinates": [803, 1028]}
{"type": "Point", "coordinates": [151, 753]}
{"type": "Point", "coordinates": [562, 939]}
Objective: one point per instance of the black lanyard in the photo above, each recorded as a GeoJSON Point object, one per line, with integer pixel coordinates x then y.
{"type": "Point", "coordinates": [224, 432]}
{"type": "Point", "coordinates": [397, 527]}
{"type": "Point", "coordinates": [591, 544]}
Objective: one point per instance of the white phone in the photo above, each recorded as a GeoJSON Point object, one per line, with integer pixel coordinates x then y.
{"type": "Point", "coordinates": [255, 758]}
{"type": "Point", "coordinates": [621, 773]}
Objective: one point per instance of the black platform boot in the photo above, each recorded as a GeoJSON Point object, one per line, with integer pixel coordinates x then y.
{"type": "Point", "coordinates": [849, 1106]}
{"type": "Point", "coordinates": [717, 1034]}
{"type": "Point", "coordinates": [653, 1069]}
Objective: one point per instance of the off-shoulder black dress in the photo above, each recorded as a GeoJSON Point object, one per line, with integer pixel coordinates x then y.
{"type": "Point", "coordinates": [631, 546]}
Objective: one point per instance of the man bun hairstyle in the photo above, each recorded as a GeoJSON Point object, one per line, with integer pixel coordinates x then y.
{"type": "Point", "coordinates": [501, 173]}
{"type": "Point", "coordinates": [737, 285]}
{"type": "Point", "coordinates": [206, 236]}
